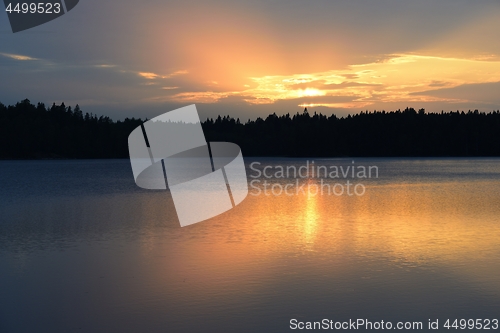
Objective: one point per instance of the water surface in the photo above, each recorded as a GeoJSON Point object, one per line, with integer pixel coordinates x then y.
{"type": "Point", "coordinates": [82, 249]}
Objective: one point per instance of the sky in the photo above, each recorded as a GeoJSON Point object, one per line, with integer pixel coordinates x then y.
{"type": "Point", "coordinates": [248, 59]}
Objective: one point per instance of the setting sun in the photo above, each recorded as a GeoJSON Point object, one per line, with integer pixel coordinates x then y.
{"type": "Point", "coordinates": [310, 92]}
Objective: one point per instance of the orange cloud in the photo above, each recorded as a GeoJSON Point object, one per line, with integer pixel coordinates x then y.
{"type": "Point", "coordinates": [18, 57]}
{"type": "Point", "coordinates": [398, 78]}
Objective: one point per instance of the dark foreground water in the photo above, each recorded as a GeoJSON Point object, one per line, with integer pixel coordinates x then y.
{"type": "Point", "coordinates": [82, 249]}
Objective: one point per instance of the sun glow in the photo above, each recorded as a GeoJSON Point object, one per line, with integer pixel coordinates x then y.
{"type": "Point", "coordinates": [310, 92]}
{"type": "Point", "coordinates": [399, 78]}
{"type": "Point", "coordinates": [311, 218]}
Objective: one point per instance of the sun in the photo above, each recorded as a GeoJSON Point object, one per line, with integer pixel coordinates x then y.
{"type": "Point", "coordinates": [308, 92]}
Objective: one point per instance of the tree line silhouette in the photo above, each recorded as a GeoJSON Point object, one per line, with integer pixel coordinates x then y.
{"type": "Point", "coordinates": [29, 131]}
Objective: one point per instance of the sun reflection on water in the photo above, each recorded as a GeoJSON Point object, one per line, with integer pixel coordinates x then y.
{"type": "Point", "coordinates": [310, 219]}
{"type": "Point", "coordinates": [448, 226]}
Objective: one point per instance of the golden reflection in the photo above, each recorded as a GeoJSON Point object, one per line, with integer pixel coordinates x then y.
{"type": "Point", "coordinates": [452, 226]}
{"type": "Point", "coordinates": [311, 218]}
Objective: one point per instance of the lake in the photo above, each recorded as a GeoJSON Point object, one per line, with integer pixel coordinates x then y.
{"type": "Point", "coordinates": [83, 249]}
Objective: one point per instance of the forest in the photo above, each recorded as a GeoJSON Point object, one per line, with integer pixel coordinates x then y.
{"type": "Point", "coordinates": [29, 131]}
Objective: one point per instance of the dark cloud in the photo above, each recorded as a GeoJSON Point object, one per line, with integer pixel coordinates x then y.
{"type": "Point", "coordinates": [321, 84]}
{"type": "Point", "coordinates": [480, 93]}
{"type": "Point", "coordinates": [437, 84]}
{"type": "Point", "coordinates": [350, 84]}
